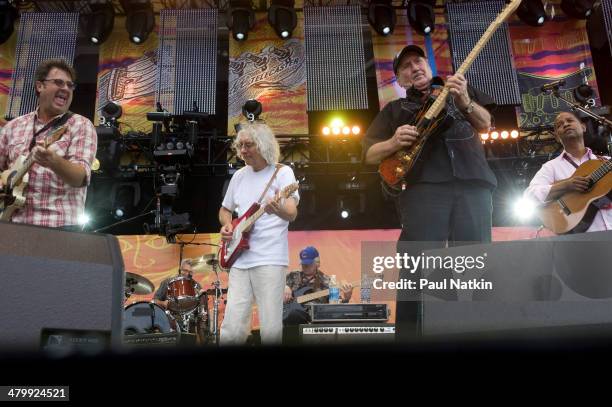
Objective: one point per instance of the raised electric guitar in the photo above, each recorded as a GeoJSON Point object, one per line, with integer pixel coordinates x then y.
{"type": "Point", "coordinates": [394, 168]}
{"type": "Point", "coordinates": [15, 179]}
{"type": "Point", "coordinates": [232, 249]}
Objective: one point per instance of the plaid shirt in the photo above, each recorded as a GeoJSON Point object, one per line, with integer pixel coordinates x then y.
{"type": "Point", "coordinates": [296, 280]}
{"type": "Point", "coordinates": [49, 200]}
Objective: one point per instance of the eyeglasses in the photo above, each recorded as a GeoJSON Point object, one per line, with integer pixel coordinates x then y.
{"type": "Point", "coordinates": [248, 146]}
{"type": "Point", "coordinates": [60, 83]}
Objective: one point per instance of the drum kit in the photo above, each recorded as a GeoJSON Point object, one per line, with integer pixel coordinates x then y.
{"type": "Point", "coordinates": [187, 305]}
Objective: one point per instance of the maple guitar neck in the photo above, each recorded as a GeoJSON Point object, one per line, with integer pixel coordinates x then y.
{"type": "Point", "coordinates": [440, 101]}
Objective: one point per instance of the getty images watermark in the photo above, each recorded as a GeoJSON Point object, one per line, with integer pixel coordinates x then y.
{"type": "Point", "coordinates": [404, 272]}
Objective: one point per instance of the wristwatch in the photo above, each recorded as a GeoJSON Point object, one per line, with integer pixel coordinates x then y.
{"type": "Point", "coordinates": [470, 107]}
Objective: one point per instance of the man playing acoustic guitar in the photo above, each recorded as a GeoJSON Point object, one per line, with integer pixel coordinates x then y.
{"type": "Point", "coordinates": [259, 271]}
{"type": "Point", "coordinates": [556, 177]}
{"type": "Point", "coordinates": [59, 175]}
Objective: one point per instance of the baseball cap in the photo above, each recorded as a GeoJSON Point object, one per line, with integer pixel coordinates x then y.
{"type": "Point", "coordinates": [408, 48]}
{"type": "Point", "coordinates": [308, 255]}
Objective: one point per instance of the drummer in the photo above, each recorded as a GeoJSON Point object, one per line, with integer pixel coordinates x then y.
{"type": "Point", "coordinates": [161, 295]}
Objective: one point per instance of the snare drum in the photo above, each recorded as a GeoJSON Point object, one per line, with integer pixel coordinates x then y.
{"type": "Point", "coordinates": [146, 317]}
{"type": "Point", "coordinates": [182, 294]}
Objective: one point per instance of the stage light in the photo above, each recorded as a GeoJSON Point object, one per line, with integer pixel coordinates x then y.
{"type": "Point", "coordinates": [252, 109]}
{"type": "Point", "coordinates": [139, 21]}
{"type": "Point", "coordinates": [531, 12]}
{"type": "Point", "coordinates": [583, 93]}
{"type": "Point", "coordinates": [282, 17]}
{"type": "Point", "coordinates": [100, 23]}
{"type": "Point", "coordinates": [581, 9]}
{"type": "Point", "coordinates": [326, 131]}
{"type": "Point", "coordinates": [524, 209]}
{"type": "Point", "coordinates": [8, 14]}
{"type": "Point", "coordinates": [381, 16]}
{"type": "Point", "coordinates": [421, 16]}
{"type": "Point", "coordinates": [356, 130]}
{"type": "Point", "coordinates": [484, 136]}
{"type": "Point", "coordinates": [346, 130]}
{"type": "Point", "coordinates": [345, 214]}
{"type": "Point", "coordinates": [111, 111]}
{"type": "Point", "coordinates": [504, 134]}
{"type": "Point", "coordinates": [336, 130]}
{"type": "Point", "coordinates": [494, 135]}
{"type": "Point", "coordinates": [241, 18]}
{"type": "Point", "coordinates": [83, 219]}
{"type": "Point", "coordinates": [514, 134]}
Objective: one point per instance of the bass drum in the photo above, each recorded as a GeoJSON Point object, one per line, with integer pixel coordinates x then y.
{"type": "Point", "coordinates": [146, 317]}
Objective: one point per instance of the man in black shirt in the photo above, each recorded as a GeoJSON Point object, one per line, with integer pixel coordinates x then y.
{"type": "Point", "coordinates": [449, 192]}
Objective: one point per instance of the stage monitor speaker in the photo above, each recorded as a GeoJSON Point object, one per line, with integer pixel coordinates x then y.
{"type": "Point", "coordinates": [57, 281]}
{"type": "Point", "coordinates": [545, 283]}
{"type": "Point", "coordinates": [346, 333]}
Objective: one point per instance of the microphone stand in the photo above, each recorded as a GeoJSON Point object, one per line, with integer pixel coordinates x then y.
{"type": "Point", "coordinates": [599, 119]}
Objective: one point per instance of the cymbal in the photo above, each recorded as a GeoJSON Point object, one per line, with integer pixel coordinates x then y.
{"type": "Point", "coordinates": [137, 284]}
{"type": "Point", "coordinates": [204, 264]}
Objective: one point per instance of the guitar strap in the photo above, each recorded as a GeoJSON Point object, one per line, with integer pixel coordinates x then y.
{"type": "Point", "coordinates": [55, 123]}
{"type": "Point", "coordinates": [263, 194]}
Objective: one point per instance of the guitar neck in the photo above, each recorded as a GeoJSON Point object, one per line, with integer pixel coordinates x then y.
{"type": "Point", "coordinates": [440, 101]}
{"type": "Point", "coordinates": [252, 219]}
{"type": "Point", "coordinates": [602, 171]}
{"type": "Point", "coordinates": [323, 293]}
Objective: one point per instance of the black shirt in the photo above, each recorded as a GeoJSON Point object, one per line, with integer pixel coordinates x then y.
{"type": "Point", "coordinates": [454, 152]}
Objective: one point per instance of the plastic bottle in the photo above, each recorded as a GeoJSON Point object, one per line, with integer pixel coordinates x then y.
{"type": "Point", "coordinates": [334, 290]}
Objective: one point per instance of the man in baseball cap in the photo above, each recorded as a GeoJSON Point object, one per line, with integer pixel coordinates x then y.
{"type": "Point", "coordinates": [449, 189]}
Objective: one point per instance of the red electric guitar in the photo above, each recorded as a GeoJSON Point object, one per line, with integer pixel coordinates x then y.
{"type": "Point", "coordinates": [232, 249]}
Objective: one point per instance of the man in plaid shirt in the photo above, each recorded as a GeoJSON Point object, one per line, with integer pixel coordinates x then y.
{"type": "Point", "coordinates": [58, 179]}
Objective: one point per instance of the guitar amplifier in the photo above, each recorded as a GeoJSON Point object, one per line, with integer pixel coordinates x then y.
{"type": "Point", "coordinates": [346, 333]}
{"type": "Point", "coordinates": [348, 312]}
{"type": "Point", "coordinates": [160, 339]}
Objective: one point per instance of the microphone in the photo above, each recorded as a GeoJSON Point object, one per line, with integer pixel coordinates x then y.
{"type": "Point", "coordinates": [552, 85]}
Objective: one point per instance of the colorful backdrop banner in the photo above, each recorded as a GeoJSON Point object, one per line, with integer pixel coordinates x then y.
{"type": "Point", "coordinates": [273, 71]}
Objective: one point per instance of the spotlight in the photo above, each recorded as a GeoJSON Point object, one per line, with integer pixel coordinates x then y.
{"type": "Point", "coordinates": [421, 16]}
{"type": "Point", "coordinates": [531, 12]}
{"type": "Point", "coordinates": [282, 17]}
{"type": "Point", "coordinates": [139, 21]}
{"type": "Point", "coordinates": [577, 8]}
{"type": "Point", "coordinates": [83, 219]}
{"type": "Point", "coordinates": [381, 16]}
{"type": "Point", "coordinates": [344, 214]}
{"type": "Point", "coordinates": [336, 130]}
{"type": "Point", "coordinates": [100, 23]}
{"type": "Point", "coordinates": [583, 93]}
{"type": "Point", "coordinates": [494, 135]}
{"type": "Point", "coordinates": [326, 131]}
{"type": "Point", "coordinates": [111, 111]}
{"type": "Point", "coordinates": [252, 109]}
{"type": "Point", "coordinates": [484, 136]}
{"type": "Point", "coordinates": [505, 134]}
{"type": "Point", "coordinates": [346, 130]}
{"type": "Point", "coordinates": [514, 134]}
{"type": "Point", "coordinates": [524, 209]}
{"type": "Point", "coordinates": [8, 14]}
{"type": "Point", "coordinates": [356, 130]}
{"type": "Point", "coordinates": [241, 18]}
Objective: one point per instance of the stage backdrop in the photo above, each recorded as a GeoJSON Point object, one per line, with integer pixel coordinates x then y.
{"type": "Point", "coordinates": [273, 71]}
{"type": "Point", "coordinates": [7, 64]}
{"type": "Point", "coordinates": [340, 251]}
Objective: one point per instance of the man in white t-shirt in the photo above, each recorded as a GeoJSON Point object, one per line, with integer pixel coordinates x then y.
{"type": "Point", "coordinates": [259, 272]}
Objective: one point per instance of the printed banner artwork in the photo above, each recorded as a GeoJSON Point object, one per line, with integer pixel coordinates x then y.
{"type": "Point", "coordinates": [273, 71]}
{"type": "Point", "coordinates": [557, 50]}
{"type": "Point", "coordinates": [127, 76]}
{"type": "Point", "coordinates": [7, 64]}
{"type": "Point", "coordinates": [386, 47]}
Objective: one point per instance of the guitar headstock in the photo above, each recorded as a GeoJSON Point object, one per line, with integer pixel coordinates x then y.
{"type": "Point", "coordinates": [55, 135]}
{"type": "Point", "coordinates": [289, 189]}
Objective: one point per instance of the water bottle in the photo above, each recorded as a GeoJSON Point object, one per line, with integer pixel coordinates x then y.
{"type": "Point", "coordinates": [334, 291]}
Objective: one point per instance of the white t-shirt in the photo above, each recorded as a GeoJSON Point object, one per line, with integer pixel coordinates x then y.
{"type": "Point", "coordinates": [268, 242]}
